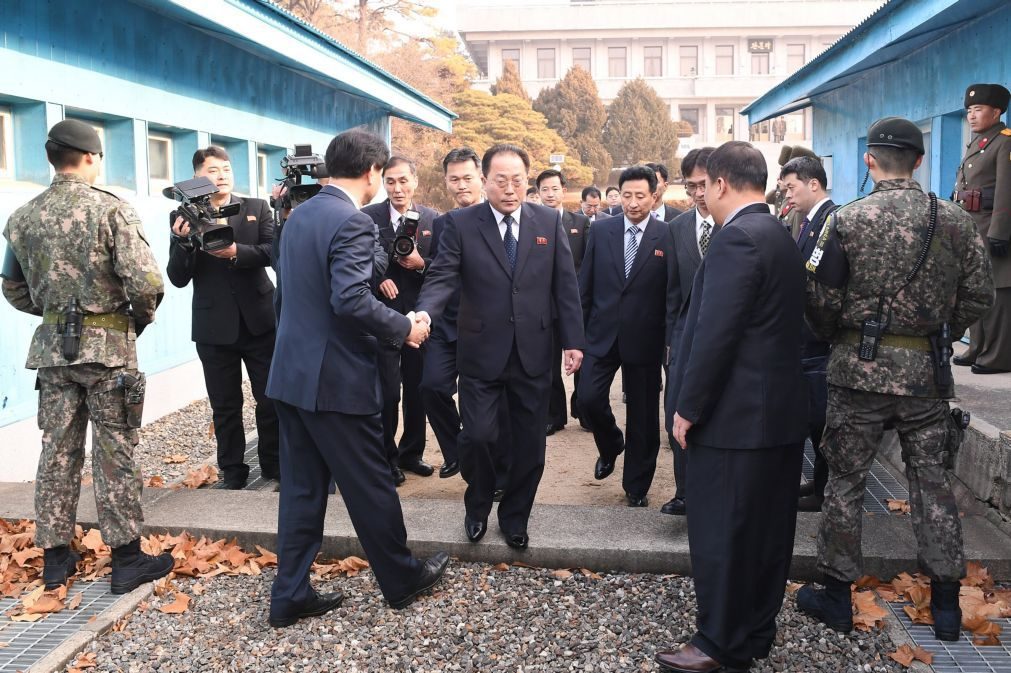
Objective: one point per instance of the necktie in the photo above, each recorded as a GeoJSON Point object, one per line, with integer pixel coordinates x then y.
{"type": "Point", "coordinates": [509, 240]}
{"type": "Point", "coordinates": [704, 238]}
{"type": "Point", "coordinates": [400, 224]}
{"type": "Point", "coordinates": [803, 229]}
{"type": "Point", "coordinates": [631, 247]}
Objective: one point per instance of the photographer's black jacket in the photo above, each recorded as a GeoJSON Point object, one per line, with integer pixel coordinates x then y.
{"type": "Point", "coordinates": [408, 281]}
{"type": "Point", "coordinates": [222, 290]}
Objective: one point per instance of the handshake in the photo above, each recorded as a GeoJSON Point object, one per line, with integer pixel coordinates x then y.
{"type": "Point", "coordinates": [421, 327]}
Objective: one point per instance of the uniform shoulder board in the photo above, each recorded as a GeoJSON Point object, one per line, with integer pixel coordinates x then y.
{"type": "Point", "coordinates": [827, 263]}
{"type": "Point", "coordinates": [1005, 132]}
{"type": "Point", "coordinates": [99, 189]}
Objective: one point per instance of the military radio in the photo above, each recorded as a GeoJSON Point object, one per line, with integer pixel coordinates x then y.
{"type": "Point", "coordinates": [194, 197]}
{"type": "Point", "coordinates": [69, 328]}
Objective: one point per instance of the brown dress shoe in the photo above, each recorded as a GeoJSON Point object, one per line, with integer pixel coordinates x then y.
{"type": "Point", "coordinates": [689, 659]}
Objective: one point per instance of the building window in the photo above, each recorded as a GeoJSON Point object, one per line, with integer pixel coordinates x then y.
{"type": "Point", "coordinates": [689, 58]}
{"type": "Point", "coordinates": [725, 123]}
{"type": "Point", "coordinates": [725, 59]}
{"type": "Point", "coordinates": [511, 55]}
{"type": "Point", "coordinates": [545, 64]}
{"type": "Point", "coordinates": [796, 56]}
{"type": "Point", "coordinates": [261, 175]}
{"type": "Point", "coordinates": [617, 62]}
{"type": "Point", "coordinates": [581, 57]}
{"type": "Point", "coordinates": [692, 116]}
{"type": "Point", "coordinates": [759, 64]}
{"type": "Point", "coordinates": [796, 126]}
{"type": "Point", "coordinates": [652, 65]}
{"type": "Point", "coordinates": [6, 144]}
{"type": "Point", "coordinates": [159, 161]}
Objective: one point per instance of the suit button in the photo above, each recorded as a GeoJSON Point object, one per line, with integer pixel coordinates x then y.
{"type": "Point", "coordinates": [516, 290]}
{"type": "Point", "coordinates": [512, 319]}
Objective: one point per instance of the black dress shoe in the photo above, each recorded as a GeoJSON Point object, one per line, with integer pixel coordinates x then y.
{"type": "Point", "coordinates": [552, 428]}
{"type": "Point", "coordinates": [270, 473]}
{"type": "Point", "coordinates": [603, 469]}
{"type": "Point", "coordinates": [433, 570]}
{"type": "Point", "coordinates": [418, 467]}
{"type": "Point", "coordinates": [319, 604]}
{"type": "Point", "coordinates": [449, 469]}
{"type": "Point", "coordinates": [497, 495]}
{"type": "Point", "coordinates": [235, 483]}
{"type": "Point", "coordinates": [517, 540]}
{"type": "Point", "coordinates": [585, 426]}
{"type": "Point", "coordinates": [980, 369]}
{"type": "Point", "coordinates": [398, 475]}
{"type": "Point", "coordinates": [636, 501]}
{"type": "Point", "coordinates": [476, 528]}
{"type": "Point", "coordinates": [810, 503]}
{"type": "Point", "coordinates": [675, 506]}
{"type": "Point", "coordinates": [962, 361]}
{"type": "Point", "coordinates": [807, 488]}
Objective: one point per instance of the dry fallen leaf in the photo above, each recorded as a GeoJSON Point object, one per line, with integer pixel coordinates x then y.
{"type": "Point", "coordinates": [155, 482]}
{"type": "Point", "coordinates": [180, 605]}
{"type": "Point", "coordinates": [900, 506]}
{"type": "Point", "coordinates": [27, 617]}
{"type": "Point", "coordinates": [793, 587]}
{"type": "Point", "coordinates": [589, 573]}
{"type": "Point", "coordinates": [501, 566]}
{"type": "Point", "coordinates": [175, 458]}
{"type": "Point", "coordinates": [868, 614]}
{"type": "Point", "coordinates": [562, 574]}
{"type": "Point", "coordinates": [906, 654]}
{"type": "Point", "coordinates": [201, 476]}
{"type": "Point", "coordinates": [75, 602]}
{"type": "Point", "coordinates": [84, 661]}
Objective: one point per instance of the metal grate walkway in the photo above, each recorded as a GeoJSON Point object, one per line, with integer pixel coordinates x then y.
{"type": "Point", "coordinates": [960, 657]}
{"type": "Point", "coordinates": [882, 485]}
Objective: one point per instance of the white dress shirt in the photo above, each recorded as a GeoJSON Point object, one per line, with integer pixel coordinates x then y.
{"type": "Point", "coordinates": [814, 210]}
{"type": "Point", "coordinates": [502, 228]}
{"type": "Point", "coordinates": [660, 212]}
{"type": "Point", "coordinates": [699, 221]}
{"type": "Point", "coordinates": [394, 216]}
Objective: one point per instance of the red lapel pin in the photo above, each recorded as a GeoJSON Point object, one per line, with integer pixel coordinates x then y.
{"type": "Point", "coordinates": [541, 240]}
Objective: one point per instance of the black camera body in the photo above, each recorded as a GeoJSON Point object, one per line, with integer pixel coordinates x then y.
{"type": "Point", "coordinates": [302, 163]}
{"type": "Point", "coordinates": [407, 239]}
{"type": "Point", "coordinates": [194, 197]}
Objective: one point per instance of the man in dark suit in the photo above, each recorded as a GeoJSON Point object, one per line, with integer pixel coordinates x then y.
{"type": "Point", "coordinates": [402, 368]}
{"type": "Point", "coordinates": [629, 292]}
{"type": "Point", "coordinates": [662, 211]}
{"type": "Point", "coordinates": [326, 384]}
{"type": "Point", "coordinates": [233, 318]}
{"type": "Point", "coordinates": [692, 232]}
{"type": "Point", "coordinates": [740, 413]}
{"type": "Point", "coordinates": [804, 181]}
{"type": "Point", "coordinates": [589, 202]}
{"type": "Point", "coordinates": [512, 263]}
{"type": "Point", "coordinates": [612, 196]}
{"type": "Point", "coordinates": [551, 187]}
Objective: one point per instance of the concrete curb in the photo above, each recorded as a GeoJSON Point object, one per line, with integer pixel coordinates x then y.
{"type": "Point", "coordinates": [899, 636]}
{"type": "Point", "coordinates": [67, 651]}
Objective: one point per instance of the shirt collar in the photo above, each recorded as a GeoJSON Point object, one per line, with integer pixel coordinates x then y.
{"type": "Point", "coordinates": [738, 210]}
{"type": "Point", "coordinates": [500, 216]}
{"type": "Point", "coordinates": [699, 219]}
{"type": "Point", "coordinates": [814, 211]}
{"type": "Point", "coordinates": [658, 212]}
{"type": "Point", "coordinates": [354, 201]}
{"type": "Point", "coordinates": [641, 225]}
{"type": "Point", "coordinates": [394, 214]}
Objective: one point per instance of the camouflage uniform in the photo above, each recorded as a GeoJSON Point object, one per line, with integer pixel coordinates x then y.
{"type": "Point", "coordinates": [881, 236]}
{"type": "Point", "coordinates": [74, 240]}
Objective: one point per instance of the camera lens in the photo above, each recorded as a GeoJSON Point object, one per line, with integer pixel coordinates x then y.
{"type": "Point", "coordinates": [403, 246]}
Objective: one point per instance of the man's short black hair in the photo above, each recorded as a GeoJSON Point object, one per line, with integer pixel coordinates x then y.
{"type": "Point", "coordinates": [740, 165]}
{"type": "Point", "coordinates": [459, 156]}
{"type": "Point", "coordinates": [550, 173]}
{"type": "Point", "coordinates": [896, 160]}
{"type": "Point", "coordinates": [639, 173]}
{"type": "Point", "coordinates": [697, 158]}
{"type": "Point", "coordinates": [61, 156]}
{"type": "Point", "coordinates": [806, 169]}
{"type": "Point", "coordinates": [659, 168]}
{"type": "Point", "coordinates": [531, 191]}
{"type": "Point", "coordinates": [503, 148]}
{"type": "Point", "coordinates": [354, 153]}
{"type": "Point", "coordinates": [588, 192]}
{"type": "Point", "coordinates": [612, 188]}
{"type": "Point", "coordinates": [200, 156]}
{"type": "Point", "coordinates": [398, 159]}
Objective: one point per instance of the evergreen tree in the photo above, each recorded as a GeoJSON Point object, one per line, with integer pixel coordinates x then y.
{"type": "Point", "coordinates": [573, 109]}
{"type": "Point", "coordinates": [639, 127]}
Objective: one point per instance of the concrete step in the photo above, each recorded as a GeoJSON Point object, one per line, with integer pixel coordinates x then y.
{"type": "Point", "coordinates": [561, 536]}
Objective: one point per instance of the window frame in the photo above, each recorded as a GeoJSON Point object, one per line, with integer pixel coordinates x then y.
{"type": "Point", "coordinates": [516, 61]}
{"type": "Point", "coordinates": [760, 57]}
{"type": "Point", "coordinates": [718, 59]}
{"type": "Point", "coordinates": [790, 46]}
{"type": "Point", "coordinates": [693, 58]}
{"type": "Point", "coordinates": [262, 182]}
{"type": "Point", "coordinates": [156, 183]}
{"type": "Point", "coordinates": [589, 59]}
{"type": "Point", "coordinates": [6, 143]}
{"type": "Point", "coordinates": [542, 59]}
{"type": "Point", "coordinates": [699, 118]}
{"type": "Point", "coordinates": [624, 62]}
{"type": "Point", "coordinates": [657, 59]}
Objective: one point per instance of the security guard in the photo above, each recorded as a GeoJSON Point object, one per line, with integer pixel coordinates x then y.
{"type": "Point", "coordinates": [983, 189]}
{"type": "Point", "coordinates": [77, 256]}
{"type": "Point", "coordinates": [897, 276]}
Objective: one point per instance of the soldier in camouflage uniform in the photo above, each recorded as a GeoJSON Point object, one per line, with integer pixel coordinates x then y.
{"type": "Point", "coordinates": [861, 272]}
{"type": "Point", "coordinates": [76, 245]}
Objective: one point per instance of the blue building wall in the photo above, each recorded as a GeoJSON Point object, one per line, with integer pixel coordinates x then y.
{"type": "Point", "coordinates": [135, 70]}
{"type": "Point", "coordinates": [926, 86]}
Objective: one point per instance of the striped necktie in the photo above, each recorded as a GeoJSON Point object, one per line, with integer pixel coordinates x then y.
{"type": "Point", "coordinates": [631, 247]}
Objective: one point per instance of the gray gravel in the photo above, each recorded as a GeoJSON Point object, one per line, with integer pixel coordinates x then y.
{"type": "Point", "coordinates": [480, 619]}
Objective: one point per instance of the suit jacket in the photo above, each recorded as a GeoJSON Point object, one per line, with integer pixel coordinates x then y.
{"type": "Point", "coordinates": [636, 312]}
{"type": "Point", "coordinates": [445, 327]}
{"type": "Point", "coordinates": [689, 258]}
{"type": "Point", "coordinates": [222, 291]}
{"type": "Point", "coordinates": [813, 347]}
{"type": "Point", "coordinates": [408, 281]}
{"type": "Point", "coordinates": [500, 308]}
{"type": "Point", "coordinates": [577, 226]}
{"type": "Point", "coordinates": [325, 358]}
{"type": "Point", "coordinates": [738, 376]}
{"type": "Point", "coordinates": [669, 213]}
{"type": "Point", "coordinates": [613, 210]}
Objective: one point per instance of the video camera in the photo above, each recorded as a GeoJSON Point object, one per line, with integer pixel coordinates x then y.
{"type": "Point", "coordinates": [406, 241]}
{"type": "Point", "coordinates": [302, 163]}
{"type": "Point", "coordinates": [194, 197]}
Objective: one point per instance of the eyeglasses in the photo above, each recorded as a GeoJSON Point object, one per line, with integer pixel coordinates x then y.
{"type": "Point", "coordinates": [694, 186]}
{"type": "Point", "coordinates": [517, 181]}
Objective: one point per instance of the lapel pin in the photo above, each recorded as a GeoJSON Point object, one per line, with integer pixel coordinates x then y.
{"type": "Point", "coordinates": [658, 253]}
{"type": "Point", "coordinates": [251, 218]}
{"type": "Point", "coordinates": [426, 233]}
{"type": "Point", "coordinates": [541, 240]}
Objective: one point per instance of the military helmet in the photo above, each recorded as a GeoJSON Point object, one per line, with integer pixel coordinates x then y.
{"type": "Point", "coordinates": [895, 132]}
{"type": "Point", "coordinates": [76, 135]}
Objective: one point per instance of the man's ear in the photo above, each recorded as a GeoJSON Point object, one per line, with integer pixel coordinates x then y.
{"type": "Point", "coordinates": [919, 160]}
{"type": "Point", "coordinates": [869, 161]}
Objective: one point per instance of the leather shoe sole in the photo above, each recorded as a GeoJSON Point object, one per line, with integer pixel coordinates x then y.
{"type": "Point", "coordinates": [980, 369]}
{"type": "Point", "coordinates": [420, 468]}
{"type": "Point", "coordinates": [603, 469]}
{"type": "Point", "coordinates": [449, 469]}
{"type": "Point", "coordinates": [431, 573]}
{"type": "Point", "coordinates": [320, 605]}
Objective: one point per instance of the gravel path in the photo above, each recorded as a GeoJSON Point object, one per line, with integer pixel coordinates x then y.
{"type": "Point", "coordinates": [486, 619]}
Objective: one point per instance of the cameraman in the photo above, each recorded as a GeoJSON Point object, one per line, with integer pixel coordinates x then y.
{"type": "Point", "coordinates": [398, 288]}
{"type": "Point", "coordinates": [233, 317]}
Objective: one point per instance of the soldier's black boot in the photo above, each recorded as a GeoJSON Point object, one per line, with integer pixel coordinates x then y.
{"type": "Point", "coordinates": [60, 563]}
{"type": "Point", "coordinates": [945, 610]}
{"type": "Point", "coordinates": [131, 567]}
{"type": "Point", "coordinates": [831, 606]}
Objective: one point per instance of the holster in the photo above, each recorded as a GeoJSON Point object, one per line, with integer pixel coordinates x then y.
{"type": "Point", "coordinates": [134, 390]}
{"type": "Point", "coordinates": [956, 421]}
{"type": "Point", "coordinates": [69, 329]}
{"type": "Point", "coordinates": [970, 200]}
{"type": "Point", "coordinates": [940, 358]}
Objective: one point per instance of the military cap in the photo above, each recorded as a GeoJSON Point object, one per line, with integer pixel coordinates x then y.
{"type": "Point", "coordinates": [895, 132]}
{"type": "Point", "coordinates": [993, 95]}
{"type": "Point", "coordinates": [76, 135]}
{"type": "Point", "coordinates": [799, 151]}
{"type": "Point", "coordinates": [784, 154]}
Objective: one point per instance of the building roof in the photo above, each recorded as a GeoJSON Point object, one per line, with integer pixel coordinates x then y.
{"type": "Point", "coordinates": [273, 33]}
{"type": "Point", "coordinates": [895, 30]}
